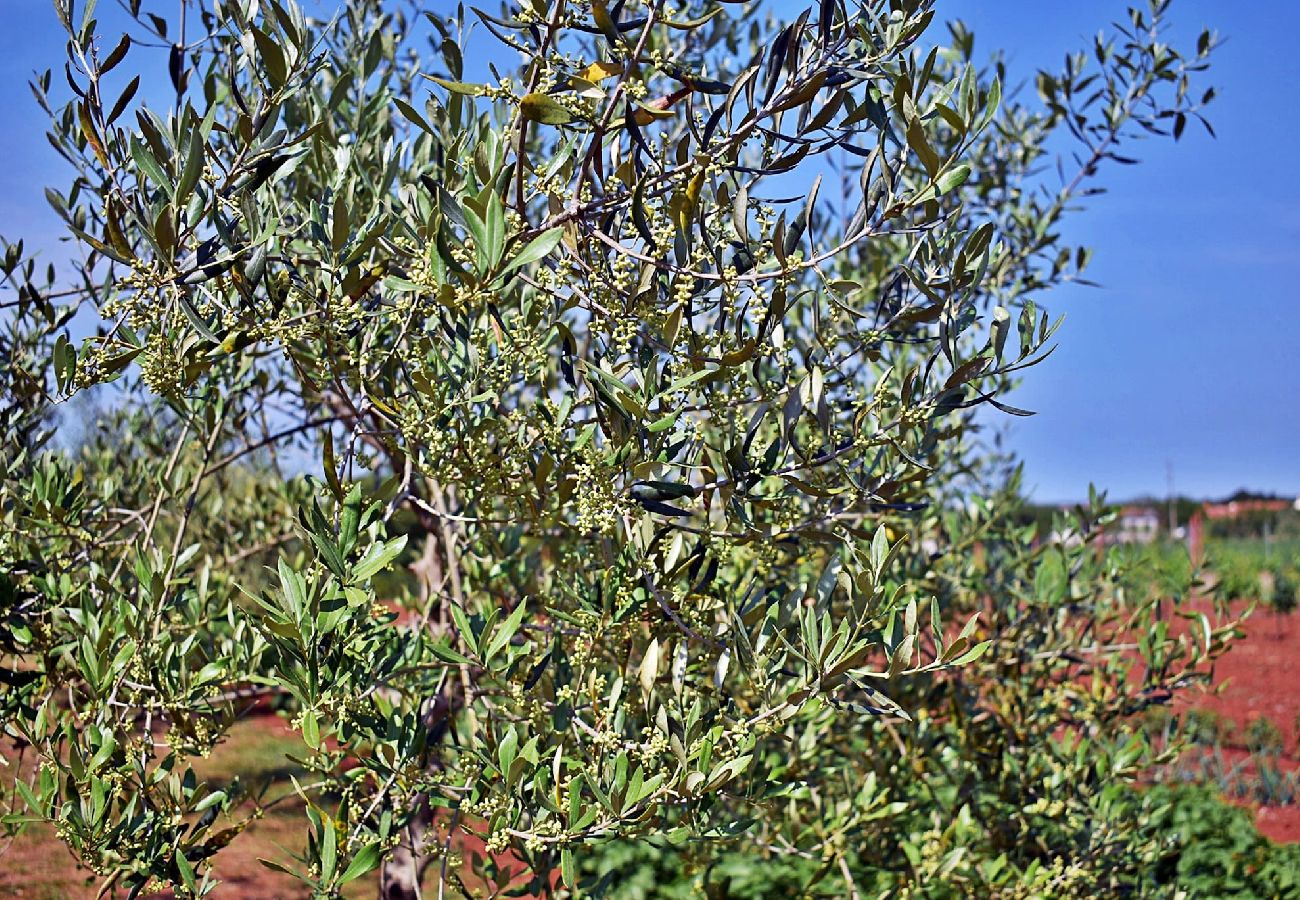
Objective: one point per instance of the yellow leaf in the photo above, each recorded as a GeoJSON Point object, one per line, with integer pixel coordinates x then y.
{"type": "Point", "coordinates": [690, 24]}
{"type": "Point", "coordinates": [92, 137]}
{"type": "Point", "coordinates": [647, 113]}
{"type": "Point", "coordinates": [599, 71]}
{"type": "Point", "coordinates": [690, 199]}
{"type": "Point", "coordinates": [381, 405]}
{"type": "Point", "coordinates": [366, 282]}
{"type": "Point", "coordinates": [659, 108]}
{"type": "Point", "coordinates": [743, 355]}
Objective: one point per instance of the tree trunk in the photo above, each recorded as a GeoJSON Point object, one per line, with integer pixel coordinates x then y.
{"type": "Point", "coordinates": [402, 872]}
{"type": "Point", "coordinates": [403, 869]}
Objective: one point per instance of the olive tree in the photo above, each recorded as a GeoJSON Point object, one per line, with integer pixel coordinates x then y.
{"type": "Point", "coordinates": [572, 412]}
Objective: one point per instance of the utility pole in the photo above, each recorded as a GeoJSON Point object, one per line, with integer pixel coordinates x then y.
{"type": "Point", "coordinates": [1173, 507]}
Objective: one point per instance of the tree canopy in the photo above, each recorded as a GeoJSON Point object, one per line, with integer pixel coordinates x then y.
{"type": "Point", "coordinates": [572, 412]}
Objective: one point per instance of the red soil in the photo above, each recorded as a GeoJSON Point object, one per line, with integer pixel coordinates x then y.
{"type": "Point", "coordinates": [1279, 823]}
{"type": "Point", "coordinates": [1260, 677]}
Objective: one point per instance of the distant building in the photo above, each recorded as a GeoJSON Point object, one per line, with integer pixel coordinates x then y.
{"type": "Point", "coordinates": [1233, 509]}
{"type": "Point", "coordinates": [1134, 525]}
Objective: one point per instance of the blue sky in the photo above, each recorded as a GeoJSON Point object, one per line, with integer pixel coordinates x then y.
{"type": "Point", "coordinates": [1190, 351]}
{"type": "Point", "coordinates": [1188, 354]}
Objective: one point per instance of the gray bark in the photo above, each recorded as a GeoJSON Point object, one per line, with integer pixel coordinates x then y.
{"type": "Point", "coordinates": [401, 874]}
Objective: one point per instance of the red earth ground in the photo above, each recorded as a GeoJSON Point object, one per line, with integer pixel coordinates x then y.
{"type": "Point", "coordinates": [1260, 677]}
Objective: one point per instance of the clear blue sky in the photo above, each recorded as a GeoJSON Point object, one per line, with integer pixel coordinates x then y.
{"type": "Point", "coordinates": [1188, 353]}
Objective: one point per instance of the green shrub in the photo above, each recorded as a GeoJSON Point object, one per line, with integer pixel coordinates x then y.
{"type": "Point", "coordinates": [1238, 576]}
{"type": "Point", "coordinates": [1200, 845]}
{"type": "Point", "coordinates": [1207, 727]}
{"type": "Point", "coordinates": [1263, 736]}
{"type": "Point", "coordinates": [1212, 850]}
{"type": "Point", "coordinates": [1286, 590]}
